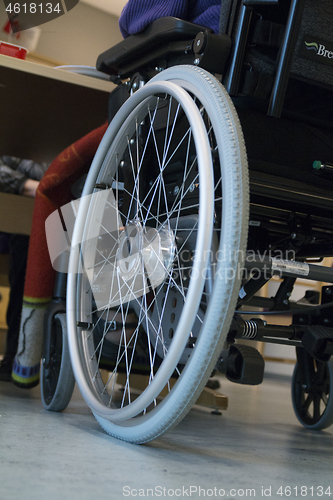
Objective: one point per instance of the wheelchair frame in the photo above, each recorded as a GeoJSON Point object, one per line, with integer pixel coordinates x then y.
{"type": "Point", "coordinates": [287, 210]}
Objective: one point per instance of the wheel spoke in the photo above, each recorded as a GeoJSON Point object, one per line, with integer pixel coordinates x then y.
{"type": "Point", "coordinates": [307, 403]}
{"type": "Point", "coordinates": [316, 407]}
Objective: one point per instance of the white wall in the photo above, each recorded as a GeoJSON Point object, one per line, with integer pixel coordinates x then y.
{"type": "Point", "coordinates": [77, 37]}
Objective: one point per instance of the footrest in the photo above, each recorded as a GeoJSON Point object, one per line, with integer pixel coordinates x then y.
{"type": "Point", "coordinates": [318, 341]}
{"type": "Point", "coordinates": [244, 365]}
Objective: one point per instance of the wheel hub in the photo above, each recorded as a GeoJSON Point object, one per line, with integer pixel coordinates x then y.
{"type": "Point", "coordinates": [142, 260]}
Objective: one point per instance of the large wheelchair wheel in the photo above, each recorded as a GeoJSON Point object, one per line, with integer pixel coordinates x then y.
{"type": "Point", "coordinates": [160, 236]}
{"type": "Point", "coordinates": [312, 393]}
{"type": "Point", "coordinates": [57, 378]}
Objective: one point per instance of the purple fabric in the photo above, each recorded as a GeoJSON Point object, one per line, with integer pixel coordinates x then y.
{"type": "Point", "coordinates": [137, 14]}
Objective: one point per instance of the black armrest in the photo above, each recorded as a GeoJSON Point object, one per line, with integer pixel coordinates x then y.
{"type": "Point", "coordinates": [132, 49]}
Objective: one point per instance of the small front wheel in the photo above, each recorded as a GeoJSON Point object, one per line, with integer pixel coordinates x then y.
{"type": "Point", "coordinates": [57, 379]}
{"type": "Point", "coordinates": [312, 383]}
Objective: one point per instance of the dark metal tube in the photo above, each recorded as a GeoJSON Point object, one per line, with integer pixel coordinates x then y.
{"type": "Point", "coordinates": [289, 268]}
{"type": "Point", "coordinates": [287, 50]}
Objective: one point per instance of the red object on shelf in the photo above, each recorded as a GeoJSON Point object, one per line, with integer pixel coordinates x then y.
{"type": "Point", "coordinates": [9, 49]}
{"type": "Point", "coordinates": [7, 27]}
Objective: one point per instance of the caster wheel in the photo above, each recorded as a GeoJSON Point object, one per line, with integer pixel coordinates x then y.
{"type": "Point", "coordinates": [57, 379]}
{"type": "Point", "coordinates": [312, 400]}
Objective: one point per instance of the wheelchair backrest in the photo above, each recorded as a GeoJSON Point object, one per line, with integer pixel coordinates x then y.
{"type": "Point", "coordinates": [270, 41]}
{"type": "Point", "coordinates": [313, 56]}
{"type": "Point", "coordinates": [274, 40]}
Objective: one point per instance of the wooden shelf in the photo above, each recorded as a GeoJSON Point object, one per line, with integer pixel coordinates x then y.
{"type": "Point", "coordinates": [16, 213]}
{"type": "Point", "coordinates": [40, 59]}
{"type": "Point", "coordinates": [44, 110]}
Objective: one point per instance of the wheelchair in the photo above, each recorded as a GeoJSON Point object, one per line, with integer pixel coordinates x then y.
{"type": "Point", "coordinates": [182, 222]}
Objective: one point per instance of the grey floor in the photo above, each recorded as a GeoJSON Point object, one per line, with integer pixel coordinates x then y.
{"type": "Point", "coordinates": [252, 450]}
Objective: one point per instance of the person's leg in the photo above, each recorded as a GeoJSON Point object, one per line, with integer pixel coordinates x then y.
{"type": "Point", "coordinates": [18, 251]}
